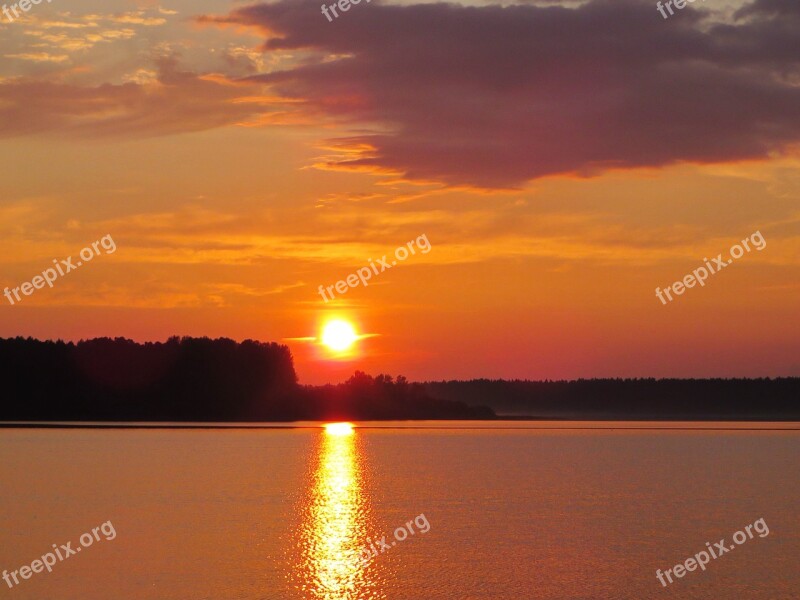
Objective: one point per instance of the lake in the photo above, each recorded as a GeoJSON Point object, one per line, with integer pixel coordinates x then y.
{"type": "Point", "coordinates": [486, 510]}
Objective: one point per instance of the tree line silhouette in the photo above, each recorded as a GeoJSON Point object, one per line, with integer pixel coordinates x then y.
{"type": "Point", "coordinates": [189, 379]}
{"type": "Point", "coordinates": [194, 380]}
{"type": "Point", "coordinates": [632, 399]}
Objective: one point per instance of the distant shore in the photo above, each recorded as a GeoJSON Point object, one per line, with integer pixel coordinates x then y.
{"type": "Point", "coordinates": [494, 424]}
{"type": "Point", "coordinates": [203, 383]}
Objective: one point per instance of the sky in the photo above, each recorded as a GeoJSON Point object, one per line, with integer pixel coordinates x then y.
{"type": "Point", "coordinates": [563, 159]}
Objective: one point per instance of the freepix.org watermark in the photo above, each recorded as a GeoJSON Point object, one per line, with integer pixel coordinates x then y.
{"type": "Point", "coordinates": [62, 267]}
{"type": "Point", "coordinates": [679, 4]}
{"type": "Point", "coordinates": [379, 546]}
{"type": "Point", "coordinates": [712, 267]}
{"type": "Point", "coordinates": [702, 558]}
{"type": "Point", "coordinates": [344, 6]}
{"type": "Point", "coordinates": [61, 552]}
{"type": "Point", "coordinates": [364, 274]}
{"type": "Point", "coordinates": [25, 5]}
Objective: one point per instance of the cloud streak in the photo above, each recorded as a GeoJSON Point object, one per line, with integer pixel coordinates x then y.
{"type": "Point", "coordinates": [168, 101]}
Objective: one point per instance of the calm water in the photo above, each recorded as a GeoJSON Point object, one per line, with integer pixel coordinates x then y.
{"type": "Point", "coordinates": [541, 513]}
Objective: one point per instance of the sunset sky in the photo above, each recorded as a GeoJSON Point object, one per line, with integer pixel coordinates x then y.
{"type": "Point", "coordinates": [564, 159]}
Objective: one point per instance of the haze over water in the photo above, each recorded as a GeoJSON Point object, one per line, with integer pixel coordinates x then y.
{"type": "Point", "coordinates": [515, 511]}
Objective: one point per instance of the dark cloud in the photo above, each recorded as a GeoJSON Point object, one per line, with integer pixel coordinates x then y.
{"type": "Point", "coordinates": [487, 96]}
{"type": "Point", "coordinates": [495, 96]}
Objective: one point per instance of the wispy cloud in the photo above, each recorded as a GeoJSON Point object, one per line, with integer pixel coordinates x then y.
{"type": "Point", "coordinates": [39, 57]}
{"type": "Point", "coordinates": [171, 101]}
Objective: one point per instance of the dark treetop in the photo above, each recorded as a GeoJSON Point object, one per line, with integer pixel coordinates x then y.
{"type": "Point", "coordinates": [193, 379]}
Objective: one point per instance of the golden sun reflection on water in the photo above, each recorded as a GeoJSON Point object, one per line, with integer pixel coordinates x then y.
{"type": "Point", "coordinates": [339, 428]}
{"type": "Point", "coordinates": [335, 522]}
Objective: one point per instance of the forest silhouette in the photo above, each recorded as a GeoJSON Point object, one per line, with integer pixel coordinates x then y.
{"type": "Point", "coordinates": [644, 399]}
{"type": "Point", "coordinates": [189, 379]}
{"type": "Point", "coordinates": [194, 380]}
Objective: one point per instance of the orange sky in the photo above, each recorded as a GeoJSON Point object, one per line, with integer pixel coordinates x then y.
{"type": "Point", "coordinates": [242, 159]}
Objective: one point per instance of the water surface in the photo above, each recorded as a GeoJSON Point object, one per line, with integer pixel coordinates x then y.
{"type": "Point", "coordinates": [516, 510]}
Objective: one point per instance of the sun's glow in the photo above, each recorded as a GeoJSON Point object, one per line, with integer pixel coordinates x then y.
{"type": "Point", "coordinates": [339, 335]}
{"type": "Point", "coordinates": [339, 428]}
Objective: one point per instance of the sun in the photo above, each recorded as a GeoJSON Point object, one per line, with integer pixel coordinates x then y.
{"type": "Point", "coordinates": [339, 335]}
